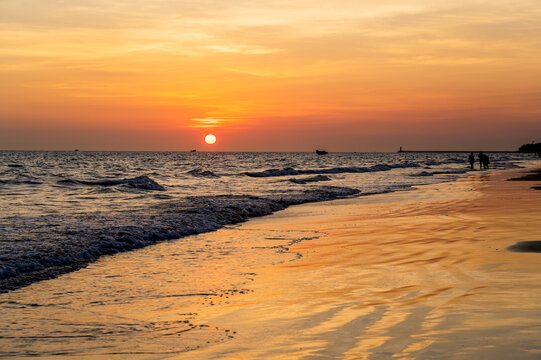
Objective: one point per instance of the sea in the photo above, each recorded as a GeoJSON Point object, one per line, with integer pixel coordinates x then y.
{"type": "Point", "coordinates": [61, 210]}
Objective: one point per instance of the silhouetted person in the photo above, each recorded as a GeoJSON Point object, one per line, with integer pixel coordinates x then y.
{"type": "Point", "coordinates": [471, 159]}
{"type": "Point", "coordinates": [486, 161]}
{"type": "Point", "coordinates": [480, 156]}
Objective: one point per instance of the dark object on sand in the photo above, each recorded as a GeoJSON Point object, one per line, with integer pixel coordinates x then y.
{"type": "Point", "coordinates": [321, 152]}
{"type": "Point", "coordinates": [530, 148]}
{"type": "Point", "coordinates": [193, 150]}
{"type": "Point", "coordinates": [526, 246]}
{"type": "Point", "coordinates": [532, 176]}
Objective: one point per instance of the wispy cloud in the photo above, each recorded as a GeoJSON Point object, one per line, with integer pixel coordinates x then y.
{"type": "Point", "coordinates": [209, 122]}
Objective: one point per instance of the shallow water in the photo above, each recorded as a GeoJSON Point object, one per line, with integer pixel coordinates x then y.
{"type": "Point", "coordinates": [411, 275]}
{"type": "Point", "coordinates": [142, 304]}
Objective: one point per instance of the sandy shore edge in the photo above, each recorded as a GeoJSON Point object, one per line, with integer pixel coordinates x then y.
{"type": "Point", "coordinates": [407, 275]}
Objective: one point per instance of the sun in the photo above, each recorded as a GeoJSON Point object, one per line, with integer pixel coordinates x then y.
{"type": "Point", "coordinates": [210, 139]}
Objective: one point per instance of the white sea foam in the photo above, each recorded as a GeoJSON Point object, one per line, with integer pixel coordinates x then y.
{"type": "Point", "coordinates": [74, 241]}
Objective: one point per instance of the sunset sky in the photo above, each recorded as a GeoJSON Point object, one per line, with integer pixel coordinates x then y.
{"type": "Point", "coordinates": [344, 75]}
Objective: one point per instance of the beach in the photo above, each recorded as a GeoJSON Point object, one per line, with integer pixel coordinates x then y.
{"type": "Point", "coordinates": [413, 275]}
{"type": "Point", "coordinates": [270, 180]}
{"type": "Point", "coordinates": [419, 274]}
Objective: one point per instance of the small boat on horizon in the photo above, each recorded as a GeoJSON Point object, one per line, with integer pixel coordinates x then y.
{"type": "Point", "coordinates": [321, 152]}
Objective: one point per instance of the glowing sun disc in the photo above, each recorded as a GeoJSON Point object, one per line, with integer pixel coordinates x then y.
{"type": "Point", "coordinates": [210, 139]}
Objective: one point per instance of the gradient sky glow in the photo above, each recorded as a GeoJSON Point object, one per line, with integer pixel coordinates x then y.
{"type": "Point", "coordinates": [344, 75]}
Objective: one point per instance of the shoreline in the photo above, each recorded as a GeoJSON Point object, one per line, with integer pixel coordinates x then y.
{"type": "Point", "coordinates": [398, 274]}
{"type": "Point", "coordinates": [422, 277]}
{"type": "Point", "coordinates": [110, 240]}
{"type": "Point", "coordinates": [228, 210]}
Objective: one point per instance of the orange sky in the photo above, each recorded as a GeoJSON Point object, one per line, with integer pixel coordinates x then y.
{"type": "Point", "coordinates": [346, 75]}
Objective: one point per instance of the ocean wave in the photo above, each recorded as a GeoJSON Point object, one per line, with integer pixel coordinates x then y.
{"type": "Point", "coordinates": [20, 182]}
{"type": "Point", "coordinates": [442, 172]}
{"type": "Point", "coordinates": [310, 179]}
{"type": "Point", "coordinates": [423, 173]}
{"type": "Point", "coordinates": [445, 162]}
{"type": "Point", "coordinates": [202, 173]}
{"type": "Point", "coordinates": [47, 246]}
{"type": "Point", "coordinates": [140, 182]}
{"type": "Point", "coordinates": [336, 170]}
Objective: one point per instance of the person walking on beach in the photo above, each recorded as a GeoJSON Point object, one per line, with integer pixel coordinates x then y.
{"type": "Point", "coordinates": [486, 161]}
{"type": "Point", "coordinates": [471, 159]}
{"type": "Point", "coordinates": [480, 156]}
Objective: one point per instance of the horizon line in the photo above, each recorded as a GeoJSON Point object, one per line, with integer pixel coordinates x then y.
{"type": "Point", "coordinates": [265, 151]}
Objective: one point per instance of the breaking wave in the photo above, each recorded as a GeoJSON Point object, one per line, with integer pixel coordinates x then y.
{"type": "Point", "coordinates": [75, 240]}
{"type": "Point", "coordinates": [336, 170]}
{"type": "Point", "coordinates": [445, 172]}
{"type": "Point", "coordinates": [446, 161]}
{"type": "Point", "coordinates": [140, 182]}
{"type": "Point", "coordinates": [307, 180]}
{"type": "Point", "coordinates": [20, 182]}
{"type": "Point", "coordinates": [202, 173]}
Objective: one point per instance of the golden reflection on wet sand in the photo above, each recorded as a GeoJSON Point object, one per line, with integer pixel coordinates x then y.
{"type": "Point", "coordinates": [414, 275]}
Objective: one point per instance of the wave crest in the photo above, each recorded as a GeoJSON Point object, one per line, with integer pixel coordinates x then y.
{"type": "Point", "coordinates": [140, 182]}
{"type": "Point", "coordinates": [75, 240]}
{"type": "Point", "coordinates": [202, 173]}
{"type": "Point", "coordinates": [316, 178]}
{"type": "Point", "coordinates": [336, 170]}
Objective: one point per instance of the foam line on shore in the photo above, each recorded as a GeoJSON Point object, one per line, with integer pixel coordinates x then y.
{"type": "Point", "coordinates": [75, 242]}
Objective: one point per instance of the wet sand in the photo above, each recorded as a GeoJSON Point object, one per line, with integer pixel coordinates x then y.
{"type": "Point", "coordinates": [411, 275]}
{"type": "Point", "coordinates": [533, 175]}
{"type": "Point", "coordinates": [422, 274]}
